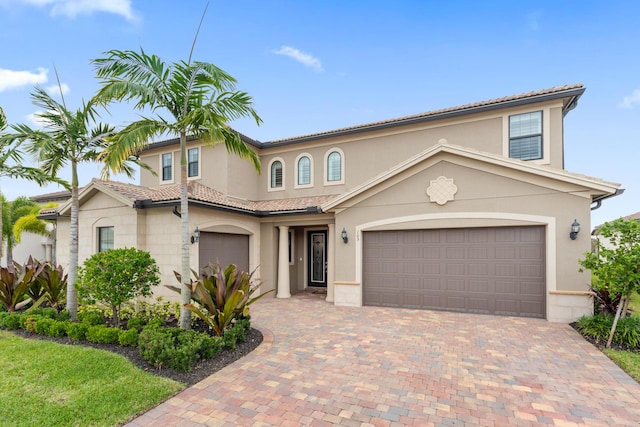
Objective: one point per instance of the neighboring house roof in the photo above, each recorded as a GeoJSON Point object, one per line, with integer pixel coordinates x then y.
{"type": "Point", "coordinates": [596, 229]}
{"type": "Point", "coordinates": [598, 187]}
{"type": "Point", "coordinates": [570, 93]}
{"type": "Point", "coordinates": [148, 197]}
{"type": "Point", "coordinates": [52, 197]}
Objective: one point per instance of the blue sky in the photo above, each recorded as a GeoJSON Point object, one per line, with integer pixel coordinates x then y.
{"type": "Point", "coordinates": [318, 65]}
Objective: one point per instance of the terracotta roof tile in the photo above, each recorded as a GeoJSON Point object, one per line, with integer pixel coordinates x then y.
{"type": "Point", "coordinates": [202, 193]}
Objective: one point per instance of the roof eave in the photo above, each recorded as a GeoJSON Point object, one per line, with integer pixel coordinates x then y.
{"type": "Point", "coordinates": [573, 94]}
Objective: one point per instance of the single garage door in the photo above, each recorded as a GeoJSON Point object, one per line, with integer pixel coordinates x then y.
{"type": "Point", "coordinates": [498, 270]}
{"type": "Point", "coordinates": [225, 249]}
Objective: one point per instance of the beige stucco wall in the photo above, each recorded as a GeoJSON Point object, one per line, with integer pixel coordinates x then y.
{"type": "Point", "coordinates": [225, 172]}
{"type": "Point", "coordinates": [368, 154]}
{"type": "Point", "coordinates": [487, 196]}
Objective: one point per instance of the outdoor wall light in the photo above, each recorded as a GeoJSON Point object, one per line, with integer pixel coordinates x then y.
{"type": "Point", "coordinates": [575, 229]}
{"type": "Point", "coordinates": [344, 236]}
{"type": "Point", "coordinates": [196, 235]}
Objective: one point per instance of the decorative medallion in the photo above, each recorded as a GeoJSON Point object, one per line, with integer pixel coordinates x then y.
{"type": "Point", "coordinates": [442, 190]}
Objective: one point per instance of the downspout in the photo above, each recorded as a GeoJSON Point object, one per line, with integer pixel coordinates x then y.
{"type": "Point", "coordinates": [598, 202]}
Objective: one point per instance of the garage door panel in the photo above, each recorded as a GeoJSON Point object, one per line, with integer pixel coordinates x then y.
{"type": "Point", "coordinates": [225, 249]}
{"type": "Point", "coordinates": [484, 270]}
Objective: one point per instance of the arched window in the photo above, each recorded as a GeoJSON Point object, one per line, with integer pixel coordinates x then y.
{"type": "Point", "coordinates": [276, 174]}
{"type": "Point", "coordinates": [334, 166]}
{"type": "Point", "coordinates": [304, 171]}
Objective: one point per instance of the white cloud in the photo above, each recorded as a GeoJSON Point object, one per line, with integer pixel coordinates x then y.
{"type": "Point", "coordinates": [35, 119]}
{"type": "Point", "coordinates": [10, 79]}
{"type": "Point", "coordinates": [304, 58]}
{"type": "Point", "coordinates": [73, 8]}
{"type": "Point", "coordinates": [54, 90]}
{"type": "Point", "coordinates": [630, 101]}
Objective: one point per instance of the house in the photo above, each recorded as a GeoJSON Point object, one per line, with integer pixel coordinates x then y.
{"type": "Point", "coordinates": [466, 209]}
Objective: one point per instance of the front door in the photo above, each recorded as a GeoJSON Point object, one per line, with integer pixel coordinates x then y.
{"type": "Point", "coordinates": [317, 241]}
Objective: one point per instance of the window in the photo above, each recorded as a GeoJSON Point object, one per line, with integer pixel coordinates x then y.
{"type": "Point", "coordinates": [304, 171]}
{"type": "Point", "coordinates": [525, 136]}
{"type": "Point", "coordinates": [167, 167]}
{"type": "Point", "coordinates": [105, 238]}
{"type": "Point", "coordinates": [334, 166]}
{"type": "Point", "coordinates": [276, 174]}
{"type": "Point", "coordinates": [193, 169]}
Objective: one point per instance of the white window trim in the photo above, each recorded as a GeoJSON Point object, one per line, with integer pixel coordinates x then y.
{"type": "Point", "coordinates": [546, 134]}
{"type": "Point", "coordinates": [325, 167]}
{"type": "Point", "coordinates": [173, 169]}
{"type": "Point", "coordinates": [199, 163]}
{"type": "Point", "coordinates": [269, 188]}
{"type": "Point", "coordinates": [296, 169]}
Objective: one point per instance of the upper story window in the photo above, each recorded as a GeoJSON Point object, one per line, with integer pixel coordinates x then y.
{"type": "Point", "coordinates": [167, 167]}
{"type": "Point", "coordinates": [193, 166]}
{"type": "Point", "coordinates": [304, 171]}
{"type": "Point", "coordinates": [105, 238]}
{"type": "Point", "coordinates": [276, 174]}
{"type": "Point", "coordinates": [525, 136]}
{"type": "Point", "coordinates": [334, 167]}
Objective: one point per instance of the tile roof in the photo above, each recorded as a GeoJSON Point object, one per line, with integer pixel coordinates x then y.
{"type": "Point", "coordinates": [201, 193]}
{"type": "Point", "coordinates": [433, 113]}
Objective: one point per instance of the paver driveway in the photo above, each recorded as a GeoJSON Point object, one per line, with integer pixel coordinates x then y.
{"type": "Point", "coordinates": [323, 365]}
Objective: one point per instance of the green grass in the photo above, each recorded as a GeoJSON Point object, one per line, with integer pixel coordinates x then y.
{"type": "Point", "coordinates": [627, 360]}
{"type": "Point", "coordinates": [45, 383]}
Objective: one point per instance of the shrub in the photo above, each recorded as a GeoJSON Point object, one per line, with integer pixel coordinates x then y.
{"type": "Point", "coordinates": [58, 328]}
{"type": "Point", "coordinates": [128, 337]}
{"type": "Point", "coordinates": [53, 282]}
{"type": "Point", "coordinates": [597, 326]}
{"type": "Point", "coordinates": [176, 348]}
{"type": "Point", "coordinates": [10, 321]}
{"type": "Point", "coordinates": [222, 296]}
{"type": "Point", "coordinates": [77, 331]}
{"type": "Point", "coordinates": [116, 276]}
{"type": "Point", "coordinates": [42, 325]}
{"type": "Point", "coordinates": [102, 334]}
{"type": "Point", "coordinates": [49, 312]}
{"type": "Point", "coordinates": [628, 332]}
{"type": "Point", "coordinates": [91, 318]}
{"type": "Point", "coordinates": [15, 281]}
{"type": "Point", "coordinates": [136, 323]}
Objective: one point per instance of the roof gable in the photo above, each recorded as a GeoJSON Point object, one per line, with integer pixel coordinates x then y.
{"type": "Point", "coordinates": [594, 185]}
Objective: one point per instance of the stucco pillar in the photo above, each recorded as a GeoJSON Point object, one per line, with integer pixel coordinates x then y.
{"type": "Point", "coordinates": [284, 284]}
{"type": "Point", "coordinates": [331, 258]}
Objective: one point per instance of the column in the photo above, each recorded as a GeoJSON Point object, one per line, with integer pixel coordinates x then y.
{"type": "Point", "coordinates": [284, 285]}
{"type": "Point", "coordinates": [331, 250]}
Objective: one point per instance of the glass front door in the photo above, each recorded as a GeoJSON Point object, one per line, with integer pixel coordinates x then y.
{"type": "Point", "coordinates": [317, 241]}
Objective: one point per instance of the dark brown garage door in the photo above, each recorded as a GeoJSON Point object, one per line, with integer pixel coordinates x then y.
{"type": "Point", "coordinates": [477, 270]}
{"type": "Point", "coordinates": [225, 249]}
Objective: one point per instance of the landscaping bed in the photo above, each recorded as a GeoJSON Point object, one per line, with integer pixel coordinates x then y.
{"type": "Point", "coordinates": [201, 370]}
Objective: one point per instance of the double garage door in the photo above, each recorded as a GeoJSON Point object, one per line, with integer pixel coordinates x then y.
{"type": "Point", "coordinates": [499, 270]}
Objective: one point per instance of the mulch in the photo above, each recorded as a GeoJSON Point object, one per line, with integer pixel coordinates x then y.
{"type": "Point", "coordinates": [200, 371]}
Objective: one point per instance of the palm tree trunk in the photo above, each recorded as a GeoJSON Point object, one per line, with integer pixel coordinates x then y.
{"type": "Point", "coordinates": [72, 294]}
{"type": "Point", "coordinates": [185, 291]}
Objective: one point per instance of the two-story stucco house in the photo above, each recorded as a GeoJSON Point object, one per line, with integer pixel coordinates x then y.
{"type": "Point", "coordinates": [466, 208]}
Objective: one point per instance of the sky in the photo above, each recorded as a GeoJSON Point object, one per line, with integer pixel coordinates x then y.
{"type": "Point", "coordinates": [313, 66]}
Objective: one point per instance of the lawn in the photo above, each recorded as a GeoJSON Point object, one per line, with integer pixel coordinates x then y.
{"type": "Point", "coordinates": [45, 383]}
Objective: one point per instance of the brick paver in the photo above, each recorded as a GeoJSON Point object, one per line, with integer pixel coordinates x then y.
{"type": "Point", "coordinates": [321, 365]}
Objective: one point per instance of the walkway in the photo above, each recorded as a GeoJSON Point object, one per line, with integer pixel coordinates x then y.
{"type": "Point", "coordinates": [321, 365]}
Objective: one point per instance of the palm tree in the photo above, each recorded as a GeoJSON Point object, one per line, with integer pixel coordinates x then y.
{"type": "Point", "coordinates": [68, 138]}
{"type": "Point", "coordinates": [11, 162]}
{"type": "Point", "coordinates": [12, 212]}
{"type": "Point", "coordinates": [186, 99]}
